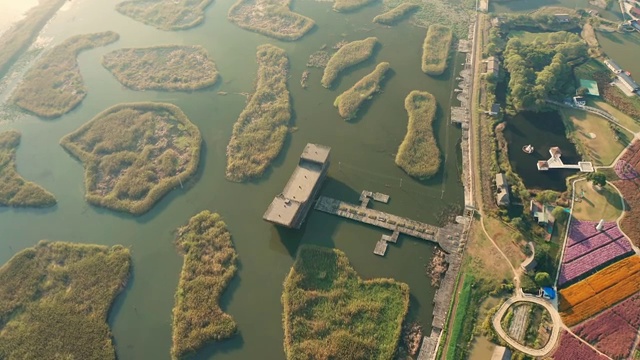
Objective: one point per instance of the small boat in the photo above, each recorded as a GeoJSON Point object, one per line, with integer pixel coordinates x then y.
{"type": "Point", "coordinates": [528, 149]}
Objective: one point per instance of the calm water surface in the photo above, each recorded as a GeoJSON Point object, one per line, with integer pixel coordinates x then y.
{"type": "Point", "coordinates": [362, 152]}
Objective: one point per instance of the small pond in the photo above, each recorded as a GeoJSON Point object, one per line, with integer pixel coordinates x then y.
{"type": "Point", "coordinates": [543, 130]}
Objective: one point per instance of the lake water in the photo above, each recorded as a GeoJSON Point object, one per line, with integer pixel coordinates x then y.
{"type": "Point", "coordinates": [543, 131]}
{"type": "Point", "coordinates": [362, 158]}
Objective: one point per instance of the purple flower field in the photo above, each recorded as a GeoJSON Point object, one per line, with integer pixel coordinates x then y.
{"type": "Point", "coordinates": [614, 331]}
{"type": "Point", "coordinates": [625, 171]}
{"type": "Point", "coordinates": [571, 348]}
{"type": "Point", "coordinates": [586, 248]}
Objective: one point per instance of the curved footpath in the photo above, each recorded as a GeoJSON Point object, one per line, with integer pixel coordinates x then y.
{"type": "Point", "coordinates": [555, 318]}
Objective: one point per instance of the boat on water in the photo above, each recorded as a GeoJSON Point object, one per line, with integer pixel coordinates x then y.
{"type": "Point", "coordinates": [528, 148]}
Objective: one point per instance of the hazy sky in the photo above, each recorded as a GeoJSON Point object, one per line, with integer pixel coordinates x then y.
{"type": "Point", "coordinates": [12, 10]}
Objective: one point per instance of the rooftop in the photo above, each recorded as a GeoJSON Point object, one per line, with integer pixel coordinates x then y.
{"type": "Point", "coordinates": [613, 65]}
{"type": "Point", "coordinates": [501, 180]}
{"type": "Point", "coordinates": [501, 353]}
{"type": "Point", "coordinates": [316, 153]}
{"type": "Point", "coordinates": [627, 79]}
{"type": "Point", "coordinates": [282, 211]}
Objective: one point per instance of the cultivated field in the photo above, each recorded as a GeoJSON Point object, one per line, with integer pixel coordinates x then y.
{"type": "Point", "coordinates": [628, 168]}
{"type": "Point", "coordinates": [570, 348]}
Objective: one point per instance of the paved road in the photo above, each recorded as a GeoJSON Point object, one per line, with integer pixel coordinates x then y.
{"type": "Point", "coordinates": [555, 318]}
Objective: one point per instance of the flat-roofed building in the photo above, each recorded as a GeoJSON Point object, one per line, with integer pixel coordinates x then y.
{"type": "Point", "coordinates": [502, 190]}
{"type": "Point", "coordinates": [628, 82]}
{"type": "Point", "coordinates": [493, 65]}
{"type": "Point", "coordinates": [501, 353]}
{"type": "Point", "coordinates": [613, 66]}
{"type": "Point", "coordinates": [290, 208]}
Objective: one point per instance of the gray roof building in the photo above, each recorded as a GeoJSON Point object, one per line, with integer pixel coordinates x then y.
{"type": "Point", "coordinates": [501, 353]}
{"type": "Point", "coordinates": [628, 82]}
{"type": "Point", "coordinates": [493, 65]}
{"type": "Point", "coordinates": [615, 68]}
{"type": "Point", "coordinates": [290, 208]}
{"type": "Point", "coordinates": [502, 193]}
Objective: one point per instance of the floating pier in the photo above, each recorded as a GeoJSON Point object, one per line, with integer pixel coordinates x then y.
{"type": "Point", "coordinates": [381, 247]}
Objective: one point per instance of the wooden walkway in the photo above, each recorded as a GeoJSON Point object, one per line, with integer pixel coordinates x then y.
{"type": "Point", "coordinates": [447, 237]}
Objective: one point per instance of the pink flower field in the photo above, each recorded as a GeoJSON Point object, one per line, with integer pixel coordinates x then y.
{"type": "Point", "coordinates": [614, 331]}
{"type": "Point", "coordinates": [625, 171]}
{"type": "Point", "coordinates": [570, 348]}
{"type": "Point", "coordinates": [586, 248]}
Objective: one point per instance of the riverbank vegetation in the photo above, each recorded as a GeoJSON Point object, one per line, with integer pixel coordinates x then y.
{"type": "Point", "coordinates": [396, 14]}
{"type": "Point", "coordinates": [162, 67]}
{"type": "Point", "coordinates": [15, 191]}
{"type": "Point", "coordinates": [330, 313]}
{"type": "Point", "coordinates": [165, 14]}
{"type": "Point", "coordinates": [542, 70]}
{"type": "Point", "coordinates": [349, 101]}
{"type": "Point", "coordinates": [259, 133]}
{"type": "Point", "coordinates": [17, 39]}
{"type": "Point", "coordinates": [418, 154]}
{"type": "Point", "coordinates": [271, 18]}
{"type": "Point", "coordinates": [55, 298]}
{"type": "Point", "coordinates": [53, 86]}
{"type": "Point", "coordinates": [348, 55]}
{"type": "Point", "coordinates": [349, 5]}
{"type": "Point", "coordinates": [135, 153]}
{"type": "Point", "coordinates": [435, 50]}
{"type": "Point", "coordinates": [209, 265]}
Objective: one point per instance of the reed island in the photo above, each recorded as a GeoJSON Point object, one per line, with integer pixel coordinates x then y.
{"type": "Point", "coordinates": [173, 68]}
{"type": "Point", "coordinates": [418, 154]}
{"type": "Point", "coordinates": [260, 131]}
{"type": "Point", "coordinates": [348, 55]}
{"type": "Point", "coordinates": [396, 14]}
{"type": "Point", "coordinates": [135, 153]}
{"type": "Point", "coordinates": [15, 191]}
{"type": "Point", "coordinates": [17, 39]}
{"type": "Point", "coordinates": [330, 313]}
{"type": "Point", "coordinates": [209, 265]}
{"type": "Point", "coordinates": [349, 101]}
{"type": "Point", "coordinates": [165, 14]}
{"type": "Point", "coordinates": [55, 298]}
{"type": "Point", "coordinates": [349, 5]}
{"type": "Point", "coordinates": [435, 50]}
{"type": "Point", "coordinates": [53, 86]}
{"type": "Point", "coordinates": [271, 18]}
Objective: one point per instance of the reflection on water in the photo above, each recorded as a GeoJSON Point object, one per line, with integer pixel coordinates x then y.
{"type": "Point", "coordinates": [542, 130]}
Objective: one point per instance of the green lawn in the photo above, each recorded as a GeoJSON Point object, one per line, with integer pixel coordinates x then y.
{"type": "Point", "coordinates": [464, 300]}
{"type": "Point", "coordinates": [594, 136]}
{"type": "Point", "coordinates": [595, 205]}
{"type": "Point", "coordinates": [625, 120]}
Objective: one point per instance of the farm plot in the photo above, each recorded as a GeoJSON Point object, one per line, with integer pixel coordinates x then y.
{"type": "Point", "coordinates": [587, 248]}
{"type": "Point", "coordinates": [627, 169]}
{"type": "Point", "coordinates": [571, 348]}
{"type": "Point", "coordinates": [600, 291]}
{"type": "Point", "coordinates": [614, 331]}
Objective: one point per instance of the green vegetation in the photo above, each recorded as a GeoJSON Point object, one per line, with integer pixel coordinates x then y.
{"type": "Point", "coordinates": [135, 153]}
{"type": "Point", "coordinates": [259, 133]}
{"type": "Point", "coordinates": [435, 50]}
{"type": "Point", "coordinates": [595, 204]}
{"type": "Point", "coordinates": [597, 178]}
{"type": "Point", "coordinates": [419, 155]}
{"type": "Point", "coordinates": [165, 14]}
{"type": "Point", "coordinates": [455, 14]}
{"type": "Point", "coordinates": [349, 5]}
{"type": "Point", "coordinates": [53, 86]}
{"type": "Point", "coordinates": [209, 265]}
{"type": "Point", "coordinates": [330, 313]}
{"type": "Point", "coordinates": [162, 67]}
{"type": "Point", "coordinates": [17, 39]}
{"type": "Point", "coordinates": [271, 18]}
{"type": "Point", "coordinates": [55, 298]}
{"type": "Point", "coordinates": [349, 101]}
{"type": "Point", "coordinates": [396, 14]}
{"type": "Point", "coordinates": [543, 19]}
{"type": "Point", "coordinates": [348, 55]}
{"type": "Point", "coordinates": [464, 300]}
{"type": "Point", "coordinates": [543, 279]}
{"type": "Point", "coordinates": [540, 70]}
{"type": "Point", "coordinates": [538, 327]}
{"type": "Point", "coordinates": [14, 190]}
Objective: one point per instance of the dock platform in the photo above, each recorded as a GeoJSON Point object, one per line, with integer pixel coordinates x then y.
{"type": "Point", "coordinates": [447, 237]}
{"type": "Point", "coordinates": [381, 247]}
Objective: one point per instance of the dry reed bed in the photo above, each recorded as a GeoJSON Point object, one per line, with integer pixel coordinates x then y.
{"type": "Point", "coordinates": [209, 265]}
{"type": "Point", "coordinates": [348, 55]}
{"type": "Point", "coordinates": [396, 14]}
{"type": "Point", "coordinates": [418, 154]}
{"type": "Point", "coordinates": [330, 313]}
{"type": "Point", "coordinates": [15, 191]}
{"type": "Point", "coordinates": [271, 18]}
{"type": "Point", "coordinates": [349, 5]}
{"type": "Point", "coordinates": [600, 291]}
{"type": "Point", "coordinates": [173, 67]}
{"type": "Point", "coordinates": [435, 50]}
{"type": "Point", "coordinates": [259, 133]}
{"type": "Point", "coordinates": [349, 101]}
{"type": "Point", "coordinates": [135, 153]}
{"type": "Point", "coordinates": [55, 298]}
{"type": "Point", "coordinates": [53, 86]}
{"type": "Point", "coordinates": [17, 39]}
{"type": "Point", "coordinates": [165, 14]}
